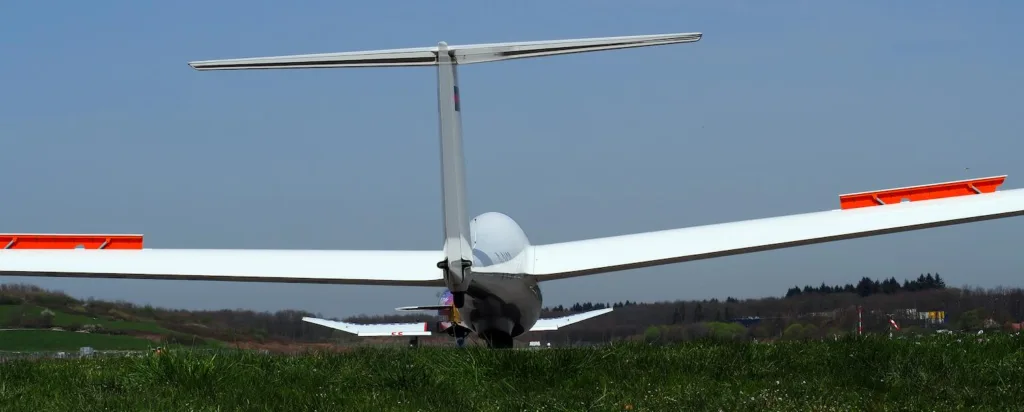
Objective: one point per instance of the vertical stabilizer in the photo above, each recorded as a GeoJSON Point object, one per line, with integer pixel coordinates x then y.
{"type": "Point", "coordinates": [457, 246]}
{"type": "Point", "coordinates": [458, 251]}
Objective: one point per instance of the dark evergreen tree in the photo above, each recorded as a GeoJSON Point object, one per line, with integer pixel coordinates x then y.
{"type": "Point", "coordinates": [864, 287]}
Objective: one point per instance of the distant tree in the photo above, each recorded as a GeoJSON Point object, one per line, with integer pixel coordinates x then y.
{"type": "Point", "coordinates": [810, 331]}
{"type": "Point", "coordinates": [652, 334]}
{"type": "Point", "coordinates": [971, 320]}
{"type": "Point", "coordinates": [793, 332]}
{"type": "Point", "coordinates": [722, 330]}
{"type": "Point", "coordinates": [46, 318]}
{"type": "Point", "coordinates": [864, 287]}
{"type": "Point", "coordinates": [679, 315]}
{"type": "Point", "coordinates": [890, 286]}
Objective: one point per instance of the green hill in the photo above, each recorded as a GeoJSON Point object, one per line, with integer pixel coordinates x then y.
{"type": "Point", "coordinates": [117, 325]}
{"type": "Point", "coordinates": [10, 314]}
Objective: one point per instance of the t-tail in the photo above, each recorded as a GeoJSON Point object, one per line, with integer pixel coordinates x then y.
{"type": "Point", "coordinates": [457, 240]}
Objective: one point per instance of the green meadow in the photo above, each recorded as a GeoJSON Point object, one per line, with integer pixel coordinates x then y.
{"type": "Point", "coordinates": [938, 373]}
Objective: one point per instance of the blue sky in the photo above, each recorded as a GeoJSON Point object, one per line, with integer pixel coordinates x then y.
{"type": "Point", "coordinates": [780, 108]}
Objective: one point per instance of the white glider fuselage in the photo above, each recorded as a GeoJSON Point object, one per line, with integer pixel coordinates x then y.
{"type": "Point", "coordinates": [509, 302]}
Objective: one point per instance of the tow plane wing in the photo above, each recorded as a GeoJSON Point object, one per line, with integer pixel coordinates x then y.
{"type": "Point", "coordinates": [423, 328]}
{"type": "Point", "coordinates": [380, 329]}
{"type": "Point", "coordinates": [560, 322]}
{"type": "Point", "coordinates": [860, 215]}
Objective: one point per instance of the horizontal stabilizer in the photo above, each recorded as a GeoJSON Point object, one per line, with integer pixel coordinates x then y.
{"type": "Point", "coordinates": [428, 307]}
{"type": "Point", "coordinates": [555, 323]}
{"type": "Point", "coordinates": [382, 329]}
{"type": "Point", "coordinates": [427, 56]}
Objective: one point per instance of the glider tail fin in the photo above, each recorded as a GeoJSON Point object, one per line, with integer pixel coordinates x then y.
{"type": "Point", "coordinates": [458, 247]}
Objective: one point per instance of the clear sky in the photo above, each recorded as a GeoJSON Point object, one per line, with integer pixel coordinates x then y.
{"type": "Point", "coordinates": [781, 107]}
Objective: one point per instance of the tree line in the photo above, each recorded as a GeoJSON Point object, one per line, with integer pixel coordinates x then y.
{"type": "Point", "coordinates": [867, 286]}
{"type": "Point", "coordinates": [588, 306]}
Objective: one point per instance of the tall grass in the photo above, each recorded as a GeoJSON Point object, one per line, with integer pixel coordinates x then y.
{"type": "Point", "coordinates": [939, 373]}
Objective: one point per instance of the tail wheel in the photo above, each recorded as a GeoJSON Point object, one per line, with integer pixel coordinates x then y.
{"type": "Point", "coordinates": [460, 336]}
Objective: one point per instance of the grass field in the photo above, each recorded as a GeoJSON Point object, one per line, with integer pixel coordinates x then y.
{"type": "Point", "coordinates": [43, 340]}
{"type": "Point", "coordinates": [48, 340]}
{"type": "Point", "coordinates": [940, 373]}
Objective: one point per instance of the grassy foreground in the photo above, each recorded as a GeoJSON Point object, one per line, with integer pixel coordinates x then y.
{"type": "Point", "coordinates": [938, 373]}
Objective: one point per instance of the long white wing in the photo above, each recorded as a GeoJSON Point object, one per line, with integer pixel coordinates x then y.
{"type": "Point", "coordinates": [555, 323]}
{"type": "Point", "coordinates": [369, 267]}
{"type": "Point", "coordinates": [863, 214]}
{"type": "Point", "coordinates": [380, 329]}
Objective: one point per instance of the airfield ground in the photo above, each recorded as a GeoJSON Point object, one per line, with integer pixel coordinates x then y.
{"type": "Point", "coordinates": [959, 372]}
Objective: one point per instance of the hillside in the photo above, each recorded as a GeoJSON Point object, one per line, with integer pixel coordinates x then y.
{"type": "Point", "coordinates": [26, 309]}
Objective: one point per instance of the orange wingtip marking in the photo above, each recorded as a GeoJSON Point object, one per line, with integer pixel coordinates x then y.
{"type": "Point", "coordinates": [923, 192]}
{"type": "Point", "coordinates": [60, 241]}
